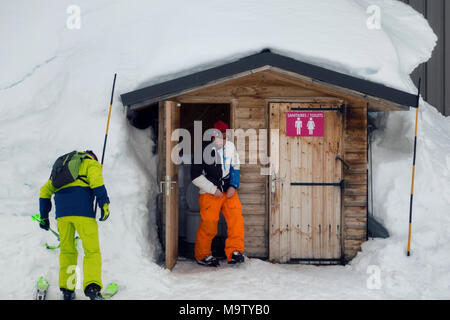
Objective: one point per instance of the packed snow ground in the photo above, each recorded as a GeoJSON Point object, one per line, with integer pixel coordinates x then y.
{"type": "Point", "coordinates": [54, 95]}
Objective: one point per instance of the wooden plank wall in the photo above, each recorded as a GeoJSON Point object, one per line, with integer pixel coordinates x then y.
{"type": "Point", "coordinates": [172, 122]}
{"type": "Point", "coordinates": [435, 73]}
{"type": "Point", "coordinates": [250, 113]}
{"type": "Point", "coordinates": [355, 191]}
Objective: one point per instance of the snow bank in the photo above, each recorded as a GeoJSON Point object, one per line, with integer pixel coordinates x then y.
{"type": "Point", "coordinates": [426, 273]}
{"type": "Point", "coordinates": [409, 34]}
{"type": "Point", "coordinates": [54, 94]}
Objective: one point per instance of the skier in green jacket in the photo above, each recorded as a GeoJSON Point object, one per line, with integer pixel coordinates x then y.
{"type": "Point", "coordinates": [75, 212]}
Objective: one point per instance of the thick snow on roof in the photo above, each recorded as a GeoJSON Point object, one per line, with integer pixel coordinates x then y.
{"type": "Point", "coordinates": [148, 41]}
{"type": "Point", "coordinates": [329, 33]}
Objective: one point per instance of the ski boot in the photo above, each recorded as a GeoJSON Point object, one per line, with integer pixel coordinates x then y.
{"type": "Point", "coordinates": [93, 292]}
{"type": "Point", "coordinates": [209, 261]}
{"type": "Point", "coordinates": [236, 257]}
{"type": "Point", "coordinates": [68, 294]}
{"type": "Point", "coordinates": [42, 288]}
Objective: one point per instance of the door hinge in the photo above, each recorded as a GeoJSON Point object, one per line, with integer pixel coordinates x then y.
{"type": "Point", "coordinates": [346, 165]}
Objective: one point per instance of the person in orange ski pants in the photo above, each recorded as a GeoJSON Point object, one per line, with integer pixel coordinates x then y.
{"type": "Point", "coordinates": [218, 183]}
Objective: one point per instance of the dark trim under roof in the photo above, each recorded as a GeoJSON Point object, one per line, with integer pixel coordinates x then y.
{"type": "Point", "coordinates": [158, 91]}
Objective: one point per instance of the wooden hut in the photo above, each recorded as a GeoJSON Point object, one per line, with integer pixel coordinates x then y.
{"type": "Point", "coordinates": [313, 207]}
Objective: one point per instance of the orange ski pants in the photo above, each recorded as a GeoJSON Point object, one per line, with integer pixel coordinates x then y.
{"type": "Point", "coordinates": [210, 208]}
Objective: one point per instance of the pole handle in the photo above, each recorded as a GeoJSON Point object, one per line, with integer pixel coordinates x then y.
{"type": "Point", "coordinates": [37, 217]}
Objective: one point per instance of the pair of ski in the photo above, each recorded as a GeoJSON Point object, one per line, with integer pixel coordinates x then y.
{"type": "Point", "coordinates": [43, 284]}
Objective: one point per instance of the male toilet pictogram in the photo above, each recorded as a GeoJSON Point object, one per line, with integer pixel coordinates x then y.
{"type": "Point", "coordinates": [298, 126]}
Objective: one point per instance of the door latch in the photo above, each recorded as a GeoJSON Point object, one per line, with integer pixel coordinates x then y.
{"type": "Point", "coordinates": [274, 180]}
{"type": "Point", "coordinates": [167, 183]}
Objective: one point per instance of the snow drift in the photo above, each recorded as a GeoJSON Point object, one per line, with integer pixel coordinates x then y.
{"type": "Point", "coordinates": [54, 93]}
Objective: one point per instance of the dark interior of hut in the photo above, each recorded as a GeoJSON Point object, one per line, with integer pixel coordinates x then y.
{"type": "Point", "coordinates": [188, 207]}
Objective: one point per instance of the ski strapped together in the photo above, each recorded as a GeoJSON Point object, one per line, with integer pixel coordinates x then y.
{"type": "Point", "coordinates": [106, 134]}
{"type": "Point", "coordinates": [413, 173]}
{"type": "Point", "coordinates": [110, 290]}
{"type": "Point", "coordinates": [42, 288]}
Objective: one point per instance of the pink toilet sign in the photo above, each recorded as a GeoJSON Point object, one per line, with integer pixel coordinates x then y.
{"type": "Point", "coordinates": [304, 124]}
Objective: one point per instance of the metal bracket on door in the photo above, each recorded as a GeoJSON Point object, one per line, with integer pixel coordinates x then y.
{"type": "Point", "coordinates": [340, 184]}
{"type": "Point", "coordinates": [346, 165]}
{"type": "Point", "coordinates": [167, 182]}
{"type": "Point", "coordinates": [317, 261]}
{"type": "Point", "coordinates": [274, 180]}
{"type": "Point", "coordinates": [340, 109]}
{"type": "Point", "coordinates": [171, 186]}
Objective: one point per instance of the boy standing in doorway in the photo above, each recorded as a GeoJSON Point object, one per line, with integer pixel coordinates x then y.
{"type": "Point", "coordinates": [218, 181]}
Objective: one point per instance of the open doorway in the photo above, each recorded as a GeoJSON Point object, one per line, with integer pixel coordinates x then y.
{"type": "Point", "coordinates": [188, 207]}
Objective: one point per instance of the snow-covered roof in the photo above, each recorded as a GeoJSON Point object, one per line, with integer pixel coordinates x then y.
{"type": "Point", "coordinates": [167, 89]}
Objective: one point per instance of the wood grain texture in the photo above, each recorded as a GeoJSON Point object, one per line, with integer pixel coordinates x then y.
{"type": "Point", "coordinates": [309, 217]}
{"type": "Point", "coordinates": [172, 122]}
{"type": "Point", "coordinates": [274, 199]}
{"type": "Point", "coordinates": [252, 101]}
{"type": "Point", "coordinates": [355, 194]}
{"type": "Point", "coordinates": [249, 114]}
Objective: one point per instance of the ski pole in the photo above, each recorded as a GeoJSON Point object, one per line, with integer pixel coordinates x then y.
{"type": "Point", "coordinates": [37, 217]}
{"type": "Point", "coordinates": [107, 129]}
{"type": "Point", "coordinates": [413, 172]}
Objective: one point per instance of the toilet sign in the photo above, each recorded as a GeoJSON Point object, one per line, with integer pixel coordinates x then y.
{"type": "Point", "coordinates": [304, 124]}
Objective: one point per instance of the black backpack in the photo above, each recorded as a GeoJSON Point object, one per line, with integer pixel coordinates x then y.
{"type": "Point", "coordinates": [65, 169]}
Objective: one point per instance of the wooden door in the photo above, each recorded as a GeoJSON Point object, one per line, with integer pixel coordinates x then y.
{"type": "Point", "coordinates": [305, 219]}
{"type": "Point", "coordinates": [169, 120]}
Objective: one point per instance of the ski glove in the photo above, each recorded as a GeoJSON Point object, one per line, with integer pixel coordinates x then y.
{"type": "Point", "coordinates": [105, 212]}
{"type": "Point", "coordinates": [44, 224]}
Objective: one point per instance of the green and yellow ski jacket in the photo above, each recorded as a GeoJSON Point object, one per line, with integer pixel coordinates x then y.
{"type": "Point", "coordinates": [76, 198]}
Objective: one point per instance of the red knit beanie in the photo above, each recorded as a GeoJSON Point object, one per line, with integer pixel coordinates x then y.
{"type": "Point", "coordinates": [221, 126]}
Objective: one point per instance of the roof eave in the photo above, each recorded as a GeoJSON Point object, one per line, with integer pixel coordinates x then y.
{"type": "Point", "coordinates": [263, 61]}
